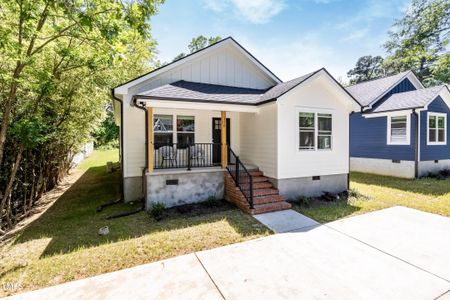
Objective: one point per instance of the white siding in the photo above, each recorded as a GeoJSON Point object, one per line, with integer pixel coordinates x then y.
{"type": "Point", "coordinates": [259, 139]}
{"type": "Point", "coordinates": [318, 94]}
{"type": "Point", "coordinates": [225, 66]}
{"type": "Point", "coordinates": [134, 137]}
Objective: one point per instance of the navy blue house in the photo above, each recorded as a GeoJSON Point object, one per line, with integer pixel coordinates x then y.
{"type": "Point", "coordinates": [402, 129]}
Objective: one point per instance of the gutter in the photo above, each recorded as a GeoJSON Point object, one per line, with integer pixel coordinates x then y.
{"type": "Point", "coordinates": [120, 144]}
{"type": "Point", "coordinates": [144, 180]}
{"type": "Point", "coordinates": [417, 145]}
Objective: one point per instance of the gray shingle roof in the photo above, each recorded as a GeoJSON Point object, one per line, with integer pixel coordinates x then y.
{"type": "Point", "coordinates": [186, 90]}
{"type": "Point", "coordinates": [409, 100]}
{"type": "Point", "coordinates": [366, 92]}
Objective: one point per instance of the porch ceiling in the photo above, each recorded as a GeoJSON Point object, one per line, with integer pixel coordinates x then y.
{"type": "Point", "coordinates": [182, 104]}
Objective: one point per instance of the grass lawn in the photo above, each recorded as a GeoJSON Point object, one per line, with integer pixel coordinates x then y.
{"type": "Point", "coordinates": [64, 245]}
{"type": "Point", "coordinates": [373, 192]}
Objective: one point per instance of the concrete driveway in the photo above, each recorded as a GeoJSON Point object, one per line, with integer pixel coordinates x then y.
{"type": "Point", "coordinates": [396, 253]}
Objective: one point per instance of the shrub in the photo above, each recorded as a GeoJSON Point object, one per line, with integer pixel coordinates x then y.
{"type": "Point", "coordinates": [212, 201]}
{"type": "Point", "coordinates": [158, 210]}
{"type": "Point", "coordinates": [303, 200]}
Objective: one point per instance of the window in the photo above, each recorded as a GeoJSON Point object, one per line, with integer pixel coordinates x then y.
{"type": "Point", "coordinates": [163, 130]}
{"type": "Point", "coordinates": [324, 134]}
{"type": "Point", "coordinates": [398, 130]}
{"type": "Point", "coordinates": [315, 131]}
{"type": "Point", "coordinates": [307, 131]}
{"type": "Point", "coordinates": [437, 129]}
{"type": "Point", "coordinates": [185, 131]}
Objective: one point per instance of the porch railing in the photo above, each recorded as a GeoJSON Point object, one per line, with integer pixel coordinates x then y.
{"type": "Point", "coordinates": [176, 155]}
{"type": "Point", "coordinates": [241, 176]}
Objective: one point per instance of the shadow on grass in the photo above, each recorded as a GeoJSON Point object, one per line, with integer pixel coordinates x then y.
{"type": "Point", "coordinates": [324, 212]}
{"type": "Point", "coordinates": [72, 222]}
{"type": "Point", "coordinates": [425, 186]}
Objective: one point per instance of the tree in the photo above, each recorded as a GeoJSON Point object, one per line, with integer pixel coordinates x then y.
{"type": "Point", "coordinates": [420, 40]}
{"type": "Point", "coordinates": [198, 43]}
{"type": "Point", "coordinates": [57, 62]}
{"type": "Point", "coordinates": [367, 67]}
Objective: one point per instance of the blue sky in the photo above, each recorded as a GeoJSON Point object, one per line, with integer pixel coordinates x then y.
{"type": "Point", "coordinates": [290, 37]}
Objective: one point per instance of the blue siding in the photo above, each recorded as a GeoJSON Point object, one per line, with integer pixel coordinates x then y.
{"type": "Point", "coordinates": [433, 152]}
{"type": "Point", "coordinates": [368, 138]}
{"type": "Point", "coordinates": [404, 86]}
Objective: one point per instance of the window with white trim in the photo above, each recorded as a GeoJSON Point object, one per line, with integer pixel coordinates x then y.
{"type": "Point", "coordinates": [185, 131]}
{"type": "Point", "coordinates": [163, 130]}
{"type": "Point", "coordinates": [315, 131]}
{"type": "Point", "coordinates": [437, 129]}
{"type": "Point", "coordinates": [398, 129]}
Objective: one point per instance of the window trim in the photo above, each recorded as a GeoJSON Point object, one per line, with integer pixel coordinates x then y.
{"type": "Point", "coordinates": [315, 111]}
{"type": "Point", "coordinates": [436, 114]}
{"type": "Point", "coordinates": [174, 130]}
{"type": "Point", "coordinates": [408, 129]}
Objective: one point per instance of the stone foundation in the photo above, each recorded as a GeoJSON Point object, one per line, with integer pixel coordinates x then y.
{"type": "Point", "coordinates": [178, 187]}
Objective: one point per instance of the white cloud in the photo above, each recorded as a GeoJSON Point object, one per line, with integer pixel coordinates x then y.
{"type": "Point", "coordinates": [254, 11]}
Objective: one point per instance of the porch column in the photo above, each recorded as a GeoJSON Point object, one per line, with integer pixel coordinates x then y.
{"type": "Point", "coordinates": [223, 139]}
{"type": "Point", "coordinates": [150, 139]}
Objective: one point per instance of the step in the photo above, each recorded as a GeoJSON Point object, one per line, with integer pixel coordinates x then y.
{"type": "Point", "coordinates": [256, 173]}
{"type": "Point", "coordinates": [267, 199]}
{"type": "Point", "coordinates": [270, 207]}
{"type": "Point", "coordinates": [265, 192]}
{"type": "Point", "coordinates": [257, 185]}
{"type": "Point", "coordinates": [245, 179]}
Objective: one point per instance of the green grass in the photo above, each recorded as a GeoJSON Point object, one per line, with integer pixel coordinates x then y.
{"type": "Point", "coordinates": [64, 245]}
{"type": "Point", "coordinates": [374, 192]}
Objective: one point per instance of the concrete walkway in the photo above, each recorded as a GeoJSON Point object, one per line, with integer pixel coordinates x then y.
{"type": "Point", "coordinates": [396, 253]}
{"type": "Point", "coordinates": [286, 221]}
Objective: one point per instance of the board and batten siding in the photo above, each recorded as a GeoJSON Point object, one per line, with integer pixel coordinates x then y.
{"type": "Point", "coordinates": [224, 66]}
{"type": "Point", "coordinates": [403, 86]}
{"type": "Point", "coordinates": [317, 94]}
{"type": "Point", "coordinates": [368, 138]}
{"type": "Point", "coordinates": [434, 152]}
{"type": "Point", "coordinates": [258, 135]}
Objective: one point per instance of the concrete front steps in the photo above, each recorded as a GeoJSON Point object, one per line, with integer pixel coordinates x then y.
{"type": "Point", "coordinates": [266, 197]}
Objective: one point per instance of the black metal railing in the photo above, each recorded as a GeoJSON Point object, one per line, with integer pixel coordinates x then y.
{"type": "Point", "coordinates": [241, 176]}
{"type": "Point", "coordinates": [176, 155]}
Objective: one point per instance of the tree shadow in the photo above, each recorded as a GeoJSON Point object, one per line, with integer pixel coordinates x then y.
{"type": "Point", "coordinates": [72, 222]}
{"type": "Point", "coordinates": [424, 186]}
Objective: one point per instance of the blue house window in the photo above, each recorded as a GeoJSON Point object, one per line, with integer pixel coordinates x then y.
{"type": "Point", "coordinates": [437, 129]}
{"type": "Point", "coordinates": [398, 130]}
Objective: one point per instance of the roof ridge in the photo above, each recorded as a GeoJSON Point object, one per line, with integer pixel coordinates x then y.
{"type": "Point", "coordinates": [379, 78]}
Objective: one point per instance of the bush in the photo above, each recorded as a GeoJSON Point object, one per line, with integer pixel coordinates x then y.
{"type": "Point", "coordinates": [304, 201]}
{"type": "Point", "coordinates": [212, 201]}
{"type": "Point", "coordinates": [158, 210]}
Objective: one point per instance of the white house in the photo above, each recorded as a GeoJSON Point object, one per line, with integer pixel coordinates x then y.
{"type": "Point", "coordinates": [219, 123]}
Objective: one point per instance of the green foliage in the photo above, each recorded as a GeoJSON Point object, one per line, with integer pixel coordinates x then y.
{"type": "Point", "coordinates": [212, 201]}
{"type": "Point", "coordinates": [198, 43]}
{"type": "Point", "coordinates": [107, 134]}
{"type": "Point", "coordinates": [419, 42]}
{"type": "Point", "coordinates": [158, 210]}
{"type": "Point", "coordinates": [367, 67]}
{"type": "Point", "coordinates": [59, 60]}
{"type": "Point", "coordinates": [304, 201]}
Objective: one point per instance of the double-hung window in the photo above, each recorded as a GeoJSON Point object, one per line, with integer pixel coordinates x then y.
{"type": "Point", "coordinates": [185, 131]}
{"type": "Point", "coordinates": [163, 130]}
{"type": "Point", "coordinates": [398, 129]}
{"type": "Point", "coordinates": [315, 131]}
{"type": "Point", "coordinates": [437, 128]}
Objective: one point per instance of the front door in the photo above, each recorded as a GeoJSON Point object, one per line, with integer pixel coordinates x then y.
{"type": "Point", "coordinates": [216, 134]}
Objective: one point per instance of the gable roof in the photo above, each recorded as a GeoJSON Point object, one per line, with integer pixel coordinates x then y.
{"type": "Point", "coordinates": [368, 92]}
{"type": "Point", "coordinates": [410, 100]}
{"type": "Point", "coordinates": [228, 40]}
{"type": "Point", "coordinates": [205, 92]}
